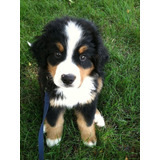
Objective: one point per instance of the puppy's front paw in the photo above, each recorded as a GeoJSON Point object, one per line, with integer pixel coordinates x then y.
{"type": "Point", "coordinates": [52, 142]}
{"type": "Point", "coordinates": [99, 120]}
{"type": "Point", "coordinates": [90, 143]}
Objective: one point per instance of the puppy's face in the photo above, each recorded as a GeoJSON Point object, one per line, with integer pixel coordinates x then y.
{"type": "Point", "coordinates": [70, 52]}
{"type": "Point", "coordinates": [71, 60]}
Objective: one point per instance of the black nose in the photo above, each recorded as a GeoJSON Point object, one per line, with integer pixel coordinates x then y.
{"type": "Point", "coordinates": [68, 78]}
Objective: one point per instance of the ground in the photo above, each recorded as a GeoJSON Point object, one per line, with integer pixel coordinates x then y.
{"type": "Point", "coordinates": [119, 102]}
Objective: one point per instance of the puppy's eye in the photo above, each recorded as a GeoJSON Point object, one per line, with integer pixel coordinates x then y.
{"type": "Point", "coordinates": [58, 55]}
{"type": "Point", "coordinates": [82, 58]}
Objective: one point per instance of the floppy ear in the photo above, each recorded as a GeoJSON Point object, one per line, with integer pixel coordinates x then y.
{"type": "Point", "coordinates": [39, 50]}
{"type": "Point", "coordinates": [101, 57]}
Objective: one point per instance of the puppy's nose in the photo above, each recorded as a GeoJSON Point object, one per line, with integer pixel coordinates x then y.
{"type": "Point", "coordinates": [68, 79]}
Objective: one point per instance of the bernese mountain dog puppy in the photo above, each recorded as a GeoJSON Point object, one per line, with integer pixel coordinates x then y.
{"type": "Point", "coordinates": [71, 56]}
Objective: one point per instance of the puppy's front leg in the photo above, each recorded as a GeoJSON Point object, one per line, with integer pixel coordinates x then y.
{"type": "Point", "coordinates": [86, 125]}
{"type": "Point", "coordinates": [54, 125]}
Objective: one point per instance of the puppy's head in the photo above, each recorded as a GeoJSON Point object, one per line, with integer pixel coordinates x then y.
{"type": "Point", "coordinates": [70, 49]}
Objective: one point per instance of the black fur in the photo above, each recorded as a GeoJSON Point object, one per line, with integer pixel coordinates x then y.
{"type": "Point", "coordinates": [88, 111]}
{"type": "Point", "coordinates": [53, 114]}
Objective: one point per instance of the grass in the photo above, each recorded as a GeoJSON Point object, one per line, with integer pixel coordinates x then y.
{"type": "Point", "coordinates": [119, 101]}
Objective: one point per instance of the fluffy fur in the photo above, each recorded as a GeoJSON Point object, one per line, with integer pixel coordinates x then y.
{"type": "Point", "coordinates": [71, 57]}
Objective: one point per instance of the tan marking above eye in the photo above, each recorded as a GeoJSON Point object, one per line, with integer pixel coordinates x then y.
{"type": "Point", "coordinates": [60, 46]}
{"type": "Point", "coordinates": [82, 49]}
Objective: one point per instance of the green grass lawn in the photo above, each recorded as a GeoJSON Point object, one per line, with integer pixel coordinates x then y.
{"type": "Point", "coordinates": [119, 102]}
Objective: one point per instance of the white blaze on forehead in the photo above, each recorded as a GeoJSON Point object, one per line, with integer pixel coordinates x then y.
{"type": "Point", "coordinates": [74, 34]}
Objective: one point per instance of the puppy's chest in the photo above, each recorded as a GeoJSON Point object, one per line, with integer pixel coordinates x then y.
{"type": "Point", "coordinates": [70, 97]}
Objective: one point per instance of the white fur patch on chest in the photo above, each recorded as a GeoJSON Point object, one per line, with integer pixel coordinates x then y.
{"type": "Point", "coordinates": [73, 96]}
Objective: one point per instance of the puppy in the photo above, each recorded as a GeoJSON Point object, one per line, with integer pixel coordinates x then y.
{"type": "Point", "coordinates": [71, 57]}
